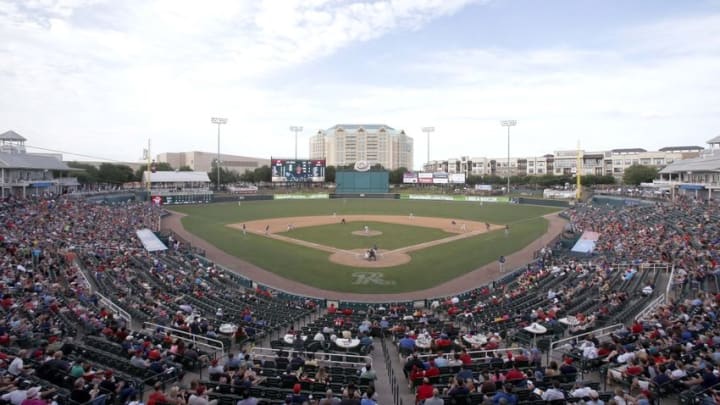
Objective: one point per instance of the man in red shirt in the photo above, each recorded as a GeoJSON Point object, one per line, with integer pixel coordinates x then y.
{"type": "Point", "coordinates": [157, 396]}
{"type": "Point", "coordinates": [514, 375]}
{"type": "Point", "coordinates": [424, 391]}
{"type": "Point", "coordinates": [465, 358]}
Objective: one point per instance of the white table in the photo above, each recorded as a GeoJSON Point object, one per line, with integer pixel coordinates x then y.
{"type": "Point", "coordinates": [290, 339]}
{"type": "Point", "coordinates": [347, 343]}
{"type": "Point", "coordinates": [535, 329]}
{"type": "Point", "coordinates": [569, 321]}
{"type": "Point", "coordinates": [228, 328]}
{"type": "Point", "coordinates": [423, 342]}
{"type": "Point", "coordinates": [475, 340]}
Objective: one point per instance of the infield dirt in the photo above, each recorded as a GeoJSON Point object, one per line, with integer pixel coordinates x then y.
{"type": "Point", "coordinates": [275, 227]}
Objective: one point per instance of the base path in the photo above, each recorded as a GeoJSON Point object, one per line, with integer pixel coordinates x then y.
{"type": "Point", "coordinates": [473, 279]}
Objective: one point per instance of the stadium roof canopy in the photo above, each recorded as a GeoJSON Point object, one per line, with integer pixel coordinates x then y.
{"type": "Point", "coordinates": [11, 136]}
{"type": "Point", "coordinates": [628, 150]}
{"type": "Point", "coordinates": [176, 177]}
{"type": "Point", "coordinates": [30, 161]}
{"type": "Point", "coordinates": [680, 148]}
{"type": "Point", "coordinates": [706, 163]}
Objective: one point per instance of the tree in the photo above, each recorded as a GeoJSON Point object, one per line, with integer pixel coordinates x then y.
{"type": "Point", "coordinates": [330, 174]}
{"type": "Point", "coordinates": [89, 175]}
{"type": "Point", "coordinates": [226, 176]}
{"type": "Point", "coordinates": [263, 174]}
{"type": "Point", "coordinates": [115, 174]}
{"type": "Point", "coordinates": [396, 176]}
{"type": "Point", "coordinates": [636, 174]}
{"type": "Point", "coordinates": [185, 168]}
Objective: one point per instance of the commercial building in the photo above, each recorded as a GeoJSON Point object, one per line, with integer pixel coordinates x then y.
{"type": "Point", "coordinates": [24, 174]}
{"type": "Point", "coordinates": [203, 161]}
{"type": "Point", "coordinates": [698, 177]}
{"type": "Point", "coordinates": [565, 162]}
{"type": "Point", "coordinates": [343, 145]}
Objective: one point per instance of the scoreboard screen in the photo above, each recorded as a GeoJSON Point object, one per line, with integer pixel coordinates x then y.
{"type": "Point", "coordinates": [292, 171]}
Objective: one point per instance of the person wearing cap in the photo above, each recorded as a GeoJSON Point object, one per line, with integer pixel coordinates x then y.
{"type": "Point", "coordinates": [18, 395]}
{"type": "Point", "coordinates": [34, 397]}
{"type": "Point", "coordinates": [297, 397]}
{"type": "Point", "coordinates": [367, 373]}
{"type": "Point", "coordinates": [215, 370]}
{"type": "Point", "coordinates": [110, 384]}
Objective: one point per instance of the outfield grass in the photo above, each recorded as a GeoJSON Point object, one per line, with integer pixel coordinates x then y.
{"type": "Point", "coordinates": [428, 267]}
{"type": "Point", "coordinates": [393, 235]}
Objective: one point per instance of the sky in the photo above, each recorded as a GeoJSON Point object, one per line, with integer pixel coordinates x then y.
{"type": "Point", "coordinates": [100, 78]}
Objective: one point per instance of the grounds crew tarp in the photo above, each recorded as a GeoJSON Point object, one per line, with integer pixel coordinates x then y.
{"type": "Point", "coordinates": [149, 240]}
{"type": "Point", "coordinates": [586, 243]}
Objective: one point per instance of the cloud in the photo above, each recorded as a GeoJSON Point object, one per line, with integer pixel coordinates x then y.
{"type": "Point", "coordinates": [100, 77]}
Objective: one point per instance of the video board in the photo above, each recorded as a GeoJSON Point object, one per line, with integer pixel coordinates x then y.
{"type": "Point", "coordinates": [294, 171]}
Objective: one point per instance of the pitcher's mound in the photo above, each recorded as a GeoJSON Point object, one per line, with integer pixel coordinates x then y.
{"type": "Point", "coordinates": [368, 233]}
{"type": "Point", "coordinates": [356, 258]}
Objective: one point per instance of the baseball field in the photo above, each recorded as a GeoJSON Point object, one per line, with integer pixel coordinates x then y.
{"type": "Point", "coordinates": [324, 243]}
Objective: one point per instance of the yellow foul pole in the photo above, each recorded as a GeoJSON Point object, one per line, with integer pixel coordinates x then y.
{"type": "Point", "coordinates": [578, 175]}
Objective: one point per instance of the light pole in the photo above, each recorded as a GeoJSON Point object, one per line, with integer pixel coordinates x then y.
{"type": "Point", "coordinates": [296, 129]}
{"type": "Point", "coordinates": [219, 121]}
{"type": "Point", "coordinates": [428, 130]}
{"type": "Point", "coordinates": [508, 124]}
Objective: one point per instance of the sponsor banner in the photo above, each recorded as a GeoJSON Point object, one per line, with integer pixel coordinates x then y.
{"type": "Point", "coordinates": [318, 196]}
{"type": "Point", "coordinates": [483, 187]}
{"type": "Point", "coordinates": [487, 199]}
{"type": "Point", "coordinates": [410, 178]}
{"type": "Point", "coordinates": [457, 178]}
{"type": "Point", "coordinates": [425, 175]}
{"type": "Point", "coordinates": [425, 180]}
{"type": "Point", "coordinates": [430, 197]}
{"type": "Point", "coordinates": [440, 181]}
{"type": "Point", "coordinates": [440, 197]}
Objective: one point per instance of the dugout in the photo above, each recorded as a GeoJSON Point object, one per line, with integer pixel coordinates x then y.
{"type": "Point", "coordinates": [353, 182]}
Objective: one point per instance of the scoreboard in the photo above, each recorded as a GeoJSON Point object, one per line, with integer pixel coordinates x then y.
{"type": "Point", "coordinates": [301, 170]}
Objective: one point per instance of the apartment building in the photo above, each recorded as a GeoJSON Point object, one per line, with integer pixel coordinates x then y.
{"type": "Point", "coordinates": [203, 161]}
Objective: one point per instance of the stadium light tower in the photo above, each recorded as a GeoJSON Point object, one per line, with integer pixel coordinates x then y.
{"type": "Point", "coordinates": [428, 130]}
{"type": "Point", "coordinates": [219, 121]}
{"type": "Point", "coordinates": [296, 129]}
{"type": "Point", "coordinates": [508, 124]}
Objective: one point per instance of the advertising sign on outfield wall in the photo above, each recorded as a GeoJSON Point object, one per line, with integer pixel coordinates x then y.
{"type": "Point", "coordinates": [410, 178]}
{"type": "Point", "coordinates": [319, 196]}
{"type": "Point", "coordinates": [483, 187]}
{"type": "Point", "coordinates": [440, 197]}
{"type": "Point", "coordinates": [440, 178]}
{"type": "Point", "coordinates": [457, 178]}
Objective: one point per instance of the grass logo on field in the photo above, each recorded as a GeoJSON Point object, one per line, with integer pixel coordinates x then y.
{"type": "Point", "coordinates": [370, 277]}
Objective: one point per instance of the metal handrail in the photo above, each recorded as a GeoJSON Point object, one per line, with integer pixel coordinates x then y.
{"type": "Point", "coordinates": [270, 353]}
{"type": "Point", "coordinates": [598, 333]}
{"type": "Point", "coordinates": [650, 307]}
{"type": "Point", "coordinates": [669, 286]}
{"type": "Point", "coordinates": [115, 308]}
{"type": "Point", "coordinates": [198, 340]}
{"type": "Point", "coordinates": [481, 353]}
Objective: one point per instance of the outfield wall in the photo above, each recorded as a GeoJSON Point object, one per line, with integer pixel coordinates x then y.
{"type": "Point", "coordinates": [362, 182]}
